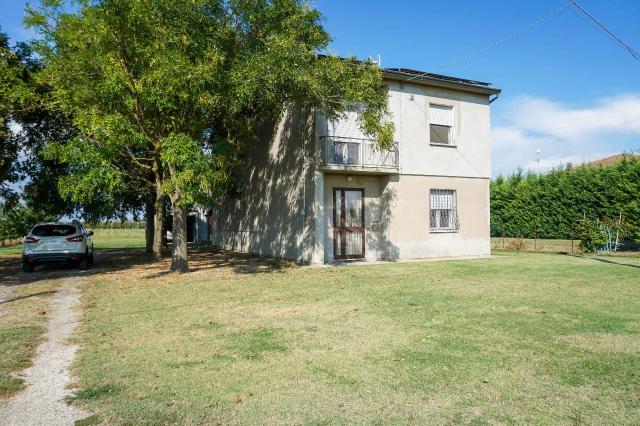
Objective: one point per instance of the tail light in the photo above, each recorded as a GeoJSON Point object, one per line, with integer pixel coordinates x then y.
{"type": "Point", "coordinates": [30, 240]}
{"type": "Point", "coordinates": [77, 239]}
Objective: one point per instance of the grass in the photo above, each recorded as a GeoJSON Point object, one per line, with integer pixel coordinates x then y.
{"type": "Point", "coordinates": [22, 324]}
{"type": "Point", "coordinates": [118, 238]}
{"type": "Point", "coordinates": [103, 239]}
{"type": "Point", "coordinates": [519, 338]}
{"type": "Point", "coordinates": [551, 246]}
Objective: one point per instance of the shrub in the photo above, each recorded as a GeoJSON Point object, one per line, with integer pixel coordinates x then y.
{"type": "Point", "coordinates": [517, 244]}
{"type": "Point", "coordinates": [591, 235]}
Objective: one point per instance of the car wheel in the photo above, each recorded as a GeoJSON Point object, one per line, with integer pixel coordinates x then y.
{"type": "Point", "coordinates": [27, 267]}
{"type": "Point", "coordinates": [84, 262]}
{"type": "Point", "coordinates": [91, 258]}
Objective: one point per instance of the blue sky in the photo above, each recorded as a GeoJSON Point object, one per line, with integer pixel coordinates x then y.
{"type": "Point", "coordinates": [568, 90]}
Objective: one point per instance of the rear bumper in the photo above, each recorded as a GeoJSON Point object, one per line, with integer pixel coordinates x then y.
{"type": "Point", "coordinates": [40, 258]}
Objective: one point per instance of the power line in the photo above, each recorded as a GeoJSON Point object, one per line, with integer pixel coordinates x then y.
{"type": "Point", "coordinates": [609, 33]}
{"type": "Point", "coordinates": [507, 37]}
{"type": "Point", "coordinates": [499, 41]}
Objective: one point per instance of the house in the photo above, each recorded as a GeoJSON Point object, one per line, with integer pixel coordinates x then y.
{"type": "Point", "coordinates": [613, 159]}
{"type": "Point", "coordinates": [319, 191]}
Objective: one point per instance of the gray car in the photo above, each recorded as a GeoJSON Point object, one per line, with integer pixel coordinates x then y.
{"type": "Point", "coordinates": [57, 242]}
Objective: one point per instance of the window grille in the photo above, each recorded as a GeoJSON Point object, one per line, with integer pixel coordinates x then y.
{"type": "Point", "coordinates": [443, 213]}
{"type": "Point", "coordinates": [440, 124]}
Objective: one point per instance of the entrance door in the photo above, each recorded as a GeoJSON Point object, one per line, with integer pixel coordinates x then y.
{"type": "Point", "coordinates": [348, 223]}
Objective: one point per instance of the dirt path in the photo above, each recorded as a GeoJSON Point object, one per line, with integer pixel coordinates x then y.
{"type": "Point", "coordinates": [42, 402]}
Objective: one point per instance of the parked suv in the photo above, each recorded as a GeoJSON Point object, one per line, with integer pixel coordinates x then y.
{"type": "Point", "coordinates": [57, 243]}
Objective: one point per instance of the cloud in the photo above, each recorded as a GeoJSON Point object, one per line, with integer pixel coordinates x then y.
{"type": "Point", "coordinates": [563, 134]}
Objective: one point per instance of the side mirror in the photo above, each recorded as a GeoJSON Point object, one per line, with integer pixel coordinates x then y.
{"type": "Point", "coordinates": [90, 233]}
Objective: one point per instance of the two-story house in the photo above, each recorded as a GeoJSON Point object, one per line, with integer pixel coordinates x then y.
{"type": "Point", "coordinates": [319, 191]}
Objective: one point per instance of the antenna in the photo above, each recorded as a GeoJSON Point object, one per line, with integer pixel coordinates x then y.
{"type": "Point", "coordinates": [377, 60]}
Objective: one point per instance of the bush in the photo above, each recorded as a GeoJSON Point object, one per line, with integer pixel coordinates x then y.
{"type": "Point", "coordinates": [517, 244]}
{"type": "Point", "coordinates": [591, 235]}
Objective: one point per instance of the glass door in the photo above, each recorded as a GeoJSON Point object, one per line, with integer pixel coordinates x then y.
{"type": "Point", "coordinates": [348, 223]}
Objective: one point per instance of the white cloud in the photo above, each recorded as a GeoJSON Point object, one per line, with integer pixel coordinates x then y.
{"type": "Point", "coordinates": [564, 134]}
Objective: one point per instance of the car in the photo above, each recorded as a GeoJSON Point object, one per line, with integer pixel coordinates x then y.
{"type": "Point", "coordinates": [57, 242]}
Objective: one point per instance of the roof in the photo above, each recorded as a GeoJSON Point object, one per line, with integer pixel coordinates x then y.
{"type": "Point", "coordinates": [613, 159]}
{"type": "Point", "coordinates": [406, 74]}
{"type": "Point", "coordinates": [438, 80]}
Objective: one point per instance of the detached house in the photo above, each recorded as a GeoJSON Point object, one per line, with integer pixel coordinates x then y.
{"type": "Point", "coordinates": [320, 191]}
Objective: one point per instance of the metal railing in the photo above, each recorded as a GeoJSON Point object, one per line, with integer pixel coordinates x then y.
{"type": "Point", "coordinates": [339, 150]}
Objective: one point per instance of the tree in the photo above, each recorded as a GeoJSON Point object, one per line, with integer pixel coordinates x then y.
{"type": "Point", "coordinates": [26, 174]}
{"type": "Point", "coordinates": [554, 203]}
{"type": "Point", "coordinates": [169, 91]}
{"type": "Point", "coordinates": [14, 93]}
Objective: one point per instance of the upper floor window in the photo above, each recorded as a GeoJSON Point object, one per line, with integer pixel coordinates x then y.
{"type": "Point", "coordinates": [440, 124]}
{"type": "Point", "coordinates": [347, 125]}
{"type": "Point", "coordinates": [443, 212]}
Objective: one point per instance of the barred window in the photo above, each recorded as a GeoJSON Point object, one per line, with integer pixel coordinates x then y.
{"type": "Point", "coordinates": [443, 213]}
{"type": "Point", "coordinates": [440, 124]}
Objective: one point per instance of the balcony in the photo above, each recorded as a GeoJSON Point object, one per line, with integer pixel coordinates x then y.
{"type": "Point", "coordinates": [344, 154]}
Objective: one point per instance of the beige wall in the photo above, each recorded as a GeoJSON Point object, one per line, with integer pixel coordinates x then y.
{"type": "Point", "coordinates": [272, 213]}
{"type": "Point", "coordinates": [409, 218]}
{"type": "Point", "coordinates": [409, 106]}
{"type": "Point", "coordinates": [285, 204]}
{"type": "Point", "coordinates": [400, 206]}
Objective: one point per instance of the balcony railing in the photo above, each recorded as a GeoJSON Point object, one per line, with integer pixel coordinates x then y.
{"type": "Point", "coordinates": [344, 151]}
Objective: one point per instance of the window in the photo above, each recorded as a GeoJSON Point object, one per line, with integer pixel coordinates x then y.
{"type": "Point", "coordinates": [347, 124]}
{"type": "Point", "coordinates": [440, 124]}
{"type": "Point", "coordinates": [443, 214]}
{"type": "Point", "coordinates": [53, 230]}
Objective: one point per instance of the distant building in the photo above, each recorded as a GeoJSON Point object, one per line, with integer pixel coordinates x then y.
{"type": "Point", "coordinates": [613, 159]}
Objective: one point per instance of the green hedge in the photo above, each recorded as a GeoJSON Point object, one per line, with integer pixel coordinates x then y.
{"type": "Point", "coordinates": [550, 205]}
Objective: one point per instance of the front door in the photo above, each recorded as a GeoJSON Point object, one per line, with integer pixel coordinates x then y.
{"type": "Point", "coordinates": [348, 223]}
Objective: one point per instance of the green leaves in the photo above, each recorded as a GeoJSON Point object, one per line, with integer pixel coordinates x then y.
{"type": "Point", "coordinates": [169, 92]}
{"type": "Point", "coordinates": [551, 205]}
{"type": "Point", "coordinates": [196, 175]}
{"type": "Point", "coordinates": [91, 174]}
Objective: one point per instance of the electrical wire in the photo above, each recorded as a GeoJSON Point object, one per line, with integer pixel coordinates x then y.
{"type": "Point", "coordinates": [635, 55]}
{"type": "Point", "coordinates": [500, 41]}
{"type": "Point", "coordinates": [508, 37]}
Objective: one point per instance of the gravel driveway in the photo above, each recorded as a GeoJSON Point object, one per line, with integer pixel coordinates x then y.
{"type": "Point", "coordinates": [42, 402]}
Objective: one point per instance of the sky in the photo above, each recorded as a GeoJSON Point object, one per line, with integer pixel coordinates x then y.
{"type": "Point", "coordinates": [568, 90]}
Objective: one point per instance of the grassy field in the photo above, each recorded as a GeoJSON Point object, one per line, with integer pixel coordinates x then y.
{"type": "Point", "coordinates": [22, 321]}
{"type": "Point", "coordinates": [519, 338]}
{"type": "Point", "coordinates": [551, 246]}
{"type": "Point", "coordinates": [103, 239]}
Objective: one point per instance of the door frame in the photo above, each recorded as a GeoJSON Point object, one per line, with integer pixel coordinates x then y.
{"type": "Point", "coordinates": [337, 228]}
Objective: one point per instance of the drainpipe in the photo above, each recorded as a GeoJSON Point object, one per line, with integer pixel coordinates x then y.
{"type": "Point", "coordinates": [494, 99]}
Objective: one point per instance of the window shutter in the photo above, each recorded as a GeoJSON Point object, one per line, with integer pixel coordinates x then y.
{"type": "Point", "coordinates": [441, 199]}
{"type": "Point", "coordinates": [347, 126]}
{"type": "Point", "coordinates": [441, 115]}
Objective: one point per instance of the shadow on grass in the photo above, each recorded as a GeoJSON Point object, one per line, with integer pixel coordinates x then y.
{"type": "Point", "coordinates": [600, 259]}
{"type": "Point", "coordinates": [41, 293]}
{"type": "Point", "coordinates": [114, 260]}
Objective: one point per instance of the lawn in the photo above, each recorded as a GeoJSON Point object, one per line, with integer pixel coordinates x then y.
{"type": "Point", "coordinates": [552, 246]}
{"type": "Point", "coordinates": [103, 239]}
{"type": "Point", "coordinates": [519, 338]}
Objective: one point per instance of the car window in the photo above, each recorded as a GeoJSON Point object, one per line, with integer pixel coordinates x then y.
{"type": "Point", "coordinates": [53, 230]}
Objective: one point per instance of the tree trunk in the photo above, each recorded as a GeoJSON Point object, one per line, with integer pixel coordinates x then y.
{"type": "Point", "coordinates": [148, 227]}
{"type": "Point", "coordinates": [179, 259]}
{"type": "Point", "coordinates": [158, 224]}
